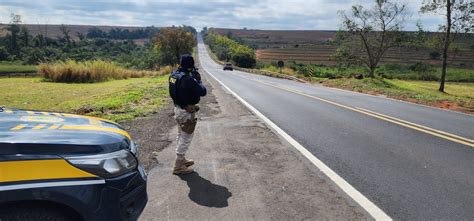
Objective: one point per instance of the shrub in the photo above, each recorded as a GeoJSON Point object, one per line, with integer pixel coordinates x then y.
{"type": "Point", "coordinates": [90, 71]}
{"type": "Point", "coordinates": [421, 68]}
{"type": "Point", "coordinates": [32, 55]}
{"type": "Point", "coordinates": [243, 59]}
{"type": "Point", "coordinates": [222, 53]}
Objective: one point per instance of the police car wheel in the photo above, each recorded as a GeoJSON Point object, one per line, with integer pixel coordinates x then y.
{"type": "Point", "coordinates": [27, 212]}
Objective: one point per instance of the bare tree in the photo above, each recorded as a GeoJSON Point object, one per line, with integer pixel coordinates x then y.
{"type": "Point", "coordinates": [459, 18]}
{"type": "Point", "coordinates": [66, 33]}
{"type": "Point", "coordinates": [80, 35]}
{"type": "Point", "coordinates": [14, 29]}
{"type": "Point", "coordinates": [46, 28]}
{"type": "Point", "coordinates": [367, 34]}
{"type": "Point", "coordinates": [25, 36]}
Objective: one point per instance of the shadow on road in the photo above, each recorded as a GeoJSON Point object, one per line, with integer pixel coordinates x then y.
{"type": "Point", "coordinates": [205, 193]}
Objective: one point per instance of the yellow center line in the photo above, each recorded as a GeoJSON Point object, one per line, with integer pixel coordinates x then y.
{"type": "Point", "coordinates": [424, 129]}
{"type": "Point", "coordinates": [8, 111]}
{"type": "Point", "coordinates": [45, 113]}
{"type": "Point", "coordinates": [420, 126]}
{"type": "Point", "coordinates": [30, 112]}
{"type": "Point", "coordinates": [57, 114]}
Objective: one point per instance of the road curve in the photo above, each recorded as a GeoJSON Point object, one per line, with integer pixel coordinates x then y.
{"type": "Point", "coordinates": [412, 161]}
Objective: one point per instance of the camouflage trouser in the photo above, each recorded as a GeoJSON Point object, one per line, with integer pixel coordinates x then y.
{"type": "Point", "coordinates": [187, 120]}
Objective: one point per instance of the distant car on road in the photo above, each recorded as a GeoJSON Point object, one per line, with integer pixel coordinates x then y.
{"type": "Point", "coordinates": [56, 166]}
{"type": "Point", "coordinates": [228, 66]}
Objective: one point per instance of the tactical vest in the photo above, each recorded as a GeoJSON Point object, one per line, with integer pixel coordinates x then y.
{"type": "Point", "coordinates": [174, 81]}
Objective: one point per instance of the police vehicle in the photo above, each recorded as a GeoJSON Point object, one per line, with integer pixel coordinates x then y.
{"type": "Point", "coordinates": [56, 166]}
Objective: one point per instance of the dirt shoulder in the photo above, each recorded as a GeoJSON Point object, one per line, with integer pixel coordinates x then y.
{"type": "Point", "coordinates": [152, 133]}
{"type": "Point", "coordinates": [243, 170]}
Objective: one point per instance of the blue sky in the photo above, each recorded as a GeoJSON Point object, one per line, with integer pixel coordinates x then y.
{"type": "Point", "coordinates": [252, 14]}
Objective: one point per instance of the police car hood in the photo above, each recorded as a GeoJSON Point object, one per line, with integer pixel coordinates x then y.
{"type": "Point", "coordinates": [34, 132]}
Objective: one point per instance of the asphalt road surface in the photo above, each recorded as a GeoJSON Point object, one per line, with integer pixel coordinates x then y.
{"type": "Point", "coordinates": [412, 161]}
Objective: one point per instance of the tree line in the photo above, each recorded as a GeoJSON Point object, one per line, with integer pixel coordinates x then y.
{"type": "Point", "coordinates": [19, 45]}
{"type": "Point", "coordinates": [123, 34]}
{"type": "Point", "coordinates": [228, 49]}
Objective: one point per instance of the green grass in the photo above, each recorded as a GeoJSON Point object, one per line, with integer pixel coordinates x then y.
{"type": "Point", "coordinates": [16, 68]}
{"type": "Point", "coordinates": [429, 87]}
{"type": "Point", "coordinates": [116, 100]}
{"type": "Point", "coordinates": [458, 96]}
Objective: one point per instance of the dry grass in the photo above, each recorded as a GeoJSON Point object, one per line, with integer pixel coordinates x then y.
{"type": "Point", "coordinates": [284, 70]}
{"type": "Point", "coordinates": [91, 71]}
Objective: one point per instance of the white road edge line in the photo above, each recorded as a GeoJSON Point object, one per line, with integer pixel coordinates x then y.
{"type": "Point", "coordinates": [365, 203]}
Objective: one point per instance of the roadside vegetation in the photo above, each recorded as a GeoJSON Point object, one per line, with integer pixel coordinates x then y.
{"type": "Point", "coordinates": [174, 42]}
{"type": "Point", "coordinates": [25, 49]}
{"type": "Point", "coordinates": [116, 100]}
{"type": "Point", "coordinates": [227, 50]}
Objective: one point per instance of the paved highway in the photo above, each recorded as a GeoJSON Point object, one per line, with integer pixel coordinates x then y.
{"type": "Point", "coordinates": [412, 161]}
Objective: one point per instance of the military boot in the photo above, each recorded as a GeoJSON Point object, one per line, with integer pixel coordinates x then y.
{"type": "Point", "coordinates": [181, 168]}
{"type": "Point", "coordinates": [188, 162]}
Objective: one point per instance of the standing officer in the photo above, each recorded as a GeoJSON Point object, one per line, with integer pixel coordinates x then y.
{"type": "Point", "coordinates": [186, 88]}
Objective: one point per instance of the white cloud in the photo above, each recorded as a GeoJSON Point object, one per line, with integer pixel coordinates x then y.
{"type": "Point", "coordinates": [258, 14]}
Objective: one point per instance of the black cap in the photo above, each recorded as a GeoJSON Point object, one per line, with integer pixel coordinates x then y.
{"type": "Point", "coordinates": [187, 61]}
